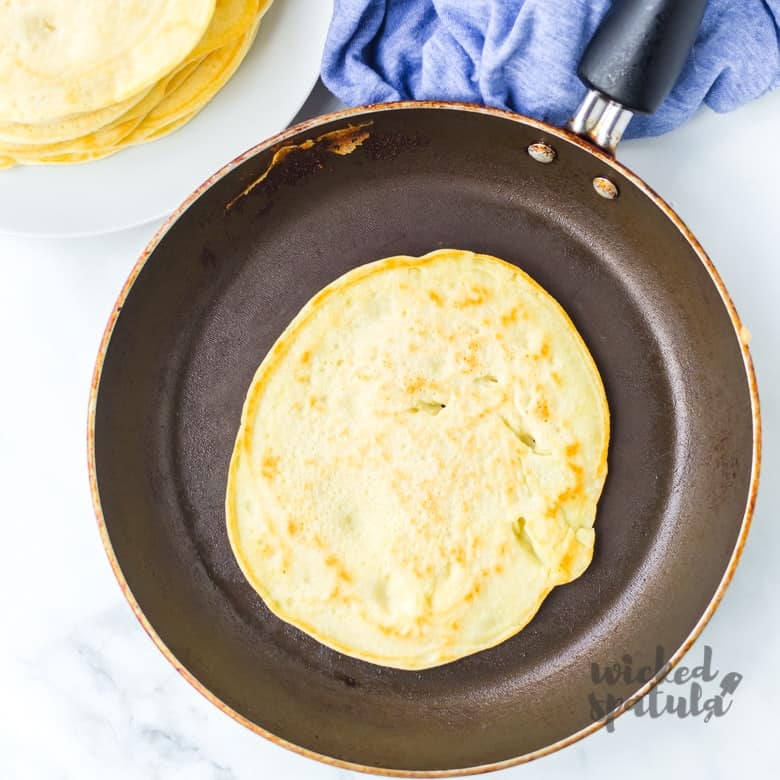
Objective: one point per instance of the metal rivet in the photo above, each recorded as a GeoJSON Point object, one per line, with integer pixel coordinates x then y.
{"type": "Point", "coordinates": [542, 153]}
{"type": "Point", "coordinates": [605, 188]}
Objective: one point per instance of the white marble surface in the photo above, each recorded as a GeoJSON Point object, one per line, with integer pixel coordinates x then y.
{"type": "Point", "coordinates": [86, 695]}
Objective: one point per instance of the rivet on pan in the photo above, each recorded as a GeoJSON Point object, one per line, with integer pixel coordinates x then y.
{"type": "Point", "coordinates": [605, 188]}
{"type": "Point", "coordinates": [542, 153]}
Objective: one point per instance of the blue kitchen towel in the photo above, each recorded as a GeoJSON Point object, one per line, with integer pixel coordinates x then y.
{"type": "Point", "coordinates": [523, 55]}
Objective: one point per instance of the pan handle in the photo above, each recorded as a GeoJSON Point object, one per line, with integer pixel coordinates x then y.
{"type": "Point", "coordinates": [631, 64]}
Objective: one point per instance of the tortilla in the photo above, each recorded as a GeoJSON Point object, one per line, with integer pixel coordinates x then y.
{"type": "Point", "coordinates": [64, 57]}
{"type": "Point", "coordinates": [170, 103]}
{"type": "Point", "coordinates": [419, 460]}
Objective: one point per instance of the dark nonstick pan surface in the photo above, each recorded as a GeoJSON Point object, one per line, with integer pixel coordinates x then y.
{"type": "Point", "coordinates": [225, 276]}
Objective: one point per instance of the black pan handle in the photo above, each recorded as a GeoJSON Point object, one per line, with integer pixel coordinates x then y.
{"type": "Point", "coordinates": [638, 52]}
{"type": "Point", "coordinates": [633, 61]}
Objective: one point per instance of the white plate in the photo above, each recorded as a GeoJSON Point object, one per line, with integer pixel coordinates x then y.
{"type": "Point", "coordinates": [147, 182]}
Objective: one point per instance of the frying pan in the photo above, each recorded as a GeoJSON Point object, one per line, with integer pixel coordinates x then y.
{"type": "Point", "coordinates": [227, 272]}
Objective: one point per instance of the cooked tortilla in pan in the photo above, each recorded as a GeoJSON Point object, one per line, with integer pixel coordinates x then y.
{"type": "Point", "coordinates": [419, 460]}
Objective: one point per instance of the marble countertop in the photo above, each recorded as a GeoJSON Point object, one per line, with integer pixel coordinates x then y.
{"type": "Point", "coordinates": [87, 695]}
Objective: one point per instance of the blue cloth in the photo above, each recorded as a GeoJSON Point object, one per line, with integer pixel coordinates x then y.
{"type": "Point", "coordinates": [523, 55]}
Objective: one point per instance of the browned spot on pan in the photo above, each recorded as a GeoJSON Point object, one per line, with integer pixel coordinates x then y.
{"type": "Point", "coordinates": [341, 142]}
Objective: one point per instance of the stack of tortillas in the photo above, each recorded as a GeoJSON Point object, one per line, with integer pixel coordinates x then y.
{"type": "Point", "coordinates": [82, 79]}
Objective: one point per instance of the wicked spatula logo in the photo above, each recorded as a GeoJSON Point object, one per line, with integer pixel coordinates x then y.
{"type": "Point", "coordinates": [685, 692]}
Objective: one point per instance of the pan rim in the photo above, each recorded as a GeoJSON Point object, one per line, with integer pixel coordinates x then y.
{"type": "Point", "coordinates": [739, 330]}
